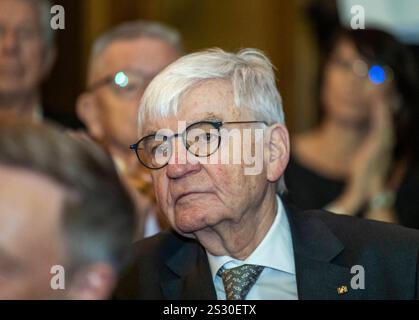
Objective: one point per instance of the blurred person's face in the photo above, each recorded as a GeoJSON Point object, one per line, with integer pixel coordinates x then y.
{"type": "Point", "coordinates": [110, 112]}
{"type": "Point", "coordinates": [30, 242]}
{"type": "Point", "coordinates": [195, 195]}
{"type": "Point", "coordinates": [24, 61]}
{"type": "Point", "coordinates": [343, 91]}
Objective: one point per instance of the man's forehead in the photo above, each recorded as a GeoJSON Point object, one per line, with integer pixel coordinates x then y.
{"type": "Point", "coordinates": [211, 99]}
{"type": "Point", "coordinates": [24, 196]}
{"type": "Point", "coordinates": [174, 123]}
{"type": "Point", "coordinates": [156, 124]}
{"type": "Point", "coordinates": [145, 54]}
{"type": "Point", "coordinates": [18, 184]}
{"type": "Point", "coordinates": [18, 12]}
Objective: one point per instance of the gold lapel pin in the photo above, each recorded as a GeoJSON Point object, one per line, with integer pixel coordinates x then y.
{"type": "Point", "coordinates": [342, 289]}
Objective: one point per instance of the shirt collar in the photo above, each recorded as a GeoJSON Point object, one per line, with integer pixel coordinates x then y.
{"type": "Point", "coordinates": [275, 251]}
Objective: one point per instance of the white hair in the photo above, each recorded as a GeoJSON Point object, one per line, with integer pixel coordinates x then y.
{"type": "Point", "coordinates": [137, 29]}
{"type": "Point", "coordinates": [249, 71]}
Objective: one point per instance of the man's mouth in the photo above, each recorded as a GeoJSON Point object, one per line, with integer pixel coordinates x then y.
{"type": "Point", "coordinates": [184, 195]}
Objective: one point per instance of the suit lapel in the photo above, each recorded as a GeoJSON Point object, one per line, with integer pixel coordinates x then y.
{"type": "Point", "coordinates": [187, 274]}
{"type": "Point", "coordinates": [315, 246]}
{"type": "Point", "coordinates": [319, 280]}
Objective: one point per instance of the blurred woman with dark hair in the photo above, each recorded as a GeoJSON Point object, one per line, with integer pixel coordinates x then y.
{"type": "Point", "coordinates": [363, 157]}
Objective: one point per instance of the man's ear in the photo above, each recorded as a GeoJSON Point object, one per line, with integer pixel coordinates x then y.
{"type": "Point", "coordinates": [88, 113]}
{"type": "Point", "coordinates": [93, 282]}
{"type": "Point", "coordinates": [278, 151]}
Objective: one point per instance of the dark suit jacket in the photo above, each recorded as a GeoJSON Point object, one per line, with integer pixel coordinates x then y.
{"type": "Point", "coordinates": [326, 246]}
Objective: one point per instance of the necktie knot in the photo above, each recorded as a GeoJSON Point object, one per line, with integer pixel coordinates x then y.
{"type": "Point", "coordinates": [239, 280]}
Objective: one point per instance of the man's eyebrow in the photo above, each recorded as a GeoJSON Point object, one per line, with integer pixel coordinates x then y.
{"type": "Point", "coordinates": [208, 116]}
{"type": "Point", "coordinates": [205, 117]}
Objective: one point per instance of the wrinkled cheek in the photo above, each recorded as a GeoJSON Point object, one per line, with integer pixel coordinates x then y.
{"type": "Point", "coordinates": [220, 170]}
{"type": "Point", "coordinates": [226, 179]}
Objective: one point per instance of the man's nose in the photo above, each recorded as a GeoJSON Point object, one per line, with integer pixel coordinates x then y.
{"type": "Point", "coordinates": [9, 42]}
{"type": "Point", "coordinates": [182, 162]}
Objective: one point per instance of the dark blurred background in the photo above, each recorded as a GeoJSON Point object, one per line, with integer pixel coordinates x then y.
{"type": "Point", "coordinates": [277, 27]}
{"type": "Point", "coordinates": [290, 32]}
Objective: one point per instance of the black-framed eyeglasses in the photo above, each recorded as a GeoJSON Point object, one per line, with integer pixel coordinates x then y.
{"type": "Point", "coordinates": [126, 83]}
{"type": "Point", "coordinates": [201, 139]}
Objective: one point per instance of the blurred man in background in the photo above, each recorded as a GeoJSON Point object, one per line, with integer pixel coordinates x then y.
{"type": "Point", "coordinates": [26, 55]}
{"type": "Point", "coordinates": [62, 204]}
{"type": "Point", "coordinates": [123, 61]}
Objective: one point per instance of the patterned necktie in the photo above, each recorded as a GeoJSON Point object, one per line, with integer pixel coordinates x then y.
{"type": "Point", "coordinates": [238, 281]}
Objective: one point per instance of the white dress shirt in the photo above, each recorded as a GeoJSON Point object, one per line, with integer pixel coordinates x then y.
{"type": "Point", "coordinates": [278, 280]}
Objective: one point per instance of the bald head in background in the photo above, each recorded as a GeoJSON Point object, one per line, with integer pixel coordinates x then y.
{"type": "Point", "coordinates": [137, 51]}
{"type": "Point", "coordinates": [122, 63]}
{"type": "Point", "coordinates": [62, 205]}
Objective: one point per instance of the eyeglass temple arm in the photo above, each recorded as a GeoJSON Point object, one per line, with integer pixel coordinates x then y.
{"type": "Point", "coordinates": [135, 145]}
{"type": "Point", "coordinates": [253, 121]}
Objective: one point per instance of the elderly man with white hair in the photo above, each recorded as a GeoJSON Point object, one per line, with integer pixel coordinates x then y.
{"type": "Point", "coordinates": [234, 236]}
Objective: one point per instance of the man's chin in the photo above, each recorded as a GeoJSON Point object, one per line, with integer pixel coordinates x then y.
{"type": "Point", "coordinates": [189, 223]}
{"type": "Point", "coordinates": [187, 230]}
{"type": "Point", "coordinates": [185, 234]}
